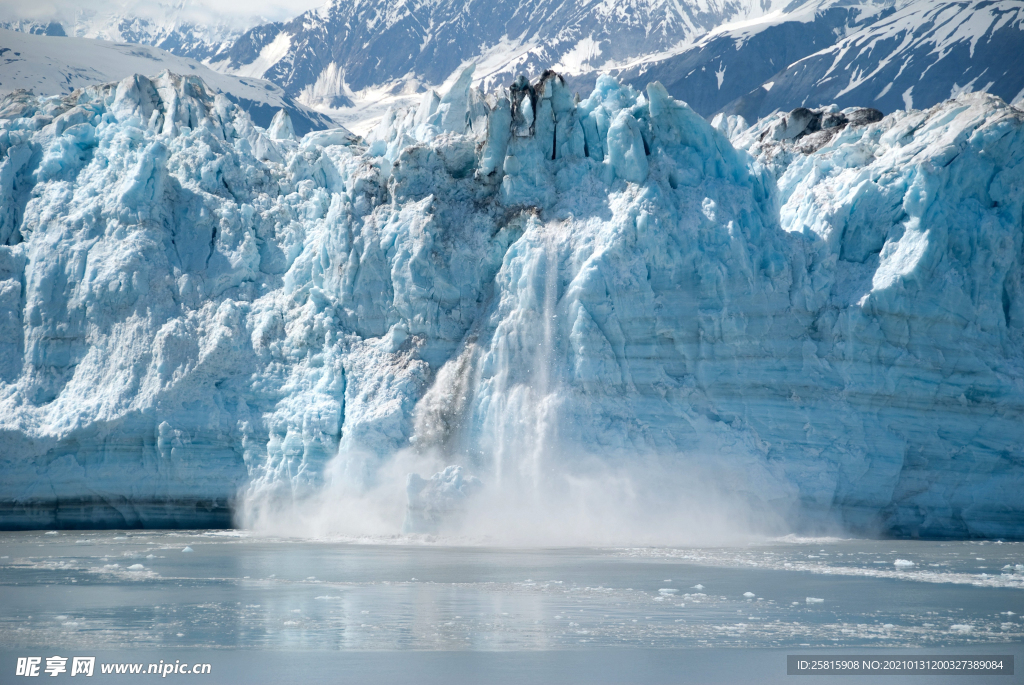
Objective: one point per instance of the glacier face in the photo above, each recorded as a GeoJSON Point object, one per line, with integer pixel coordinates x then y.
{"type": "Point", "coordinates": [820, 318]}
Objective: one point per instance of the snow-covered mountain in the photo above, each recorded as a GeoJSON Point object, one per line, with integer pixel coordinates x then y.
{"type": "Point", "coordinates": [513, 307]}
{"type": "Point", "coordinates": [744, 57]}
{"type": "Point", "coordinates": [35, 28]}
{"type": "Point", "coordinates": [188, 28]}
{"type": "Point", "coordinates": [183, 28]}
{"type": "Point", "coordinates": [49, 65]}
{"type": "Point", "coordinates": [372, 42]}
{"type": "Point", "coordinates": [921, 53]}
{"type": "Point", "coordinates": [733, 59]}
{"type": "Point", "coordinates": [747, 57]}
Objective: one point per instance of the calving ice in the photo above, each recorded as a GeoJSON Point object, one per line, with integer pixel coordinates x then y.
{"type": "Point", "coordinates": [603, 318]}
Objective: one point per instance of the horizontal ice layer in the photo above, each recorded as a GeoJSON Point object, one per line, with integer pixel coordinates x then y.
{"type": "Point", "coordinates": [826, 324]}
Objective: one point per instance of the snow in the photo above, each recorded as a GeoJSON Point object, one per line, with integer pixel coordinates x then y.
{"type": "Point", "coordinates": [510, 312]}
{"type": "Point", "coordinates": [933, 49]}
{"type": "Point", "coordinates": [49, 65]}
{"type": "Point", "coordinates": [379, 42]}
{"type": "Point", "coordinates": [330, 89]}
{"type": "Point", "coordinates": [908, 98]}
{"type": "Point", "coordinates": [270, 55]}
{"type": "Point", "coordinates": [582, 57]}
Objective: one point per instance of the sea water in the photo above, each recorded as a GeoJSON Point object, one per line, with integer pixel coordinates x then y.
{"type": "Point", "coordinates": [414, 609]}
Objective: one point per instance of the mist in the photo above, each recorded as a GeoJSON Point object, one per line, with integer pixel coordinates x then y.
{"type": "Point", "coordinates": [645, 501]}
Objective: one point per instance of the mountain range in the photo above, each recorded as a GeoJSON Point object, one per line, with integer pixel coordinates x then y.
{"type": "Point", "coordinates": [747, 57]}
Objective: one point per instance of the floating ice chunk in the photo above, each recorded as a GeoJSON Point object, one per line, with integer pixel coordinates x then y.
{"type": "Point", "coordinates": [187, 549]}
{"type": "Point", "coordinates": [814, 600]}
{"type": "Point", "coordinates": [902, 563]}
{"type": "Point", "coordinates": [749, 595]}
{"type": "Point", "coordinates": [960, 628]}
{"type": "Point", "coordinates": [668, 591]}
{"type": "Point", "coordinates": [136, 567]}
{"type": "Point", "coordinates": [50, 532]}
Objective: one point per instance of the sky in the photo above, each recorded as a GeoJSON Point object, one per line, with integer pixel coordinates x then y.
{"type": "Point", "coordinates": [242, 13]}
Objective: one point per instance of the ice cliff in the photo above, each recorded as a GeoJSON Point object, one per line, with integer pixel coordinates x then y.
{"type": "Point", "coordinates": [822, 316]}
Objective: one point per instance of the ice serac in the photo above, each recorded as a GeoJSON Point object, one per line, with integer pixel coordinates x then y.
{"type": "Point", "coordinates": [822, 317]}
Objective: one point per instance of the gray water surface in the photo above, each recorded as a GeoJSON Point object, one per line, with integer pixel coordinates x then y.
{"type": "Point", "coordinates": [136, 592]}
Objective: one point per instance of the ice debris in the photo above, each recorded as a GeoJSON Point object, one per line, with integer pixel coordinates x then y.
{"type": "Point", "coordinates": [437, 499]}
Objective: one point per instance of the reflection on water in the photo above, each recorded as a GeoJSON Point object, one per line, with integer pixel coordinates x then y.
{"type": "Point", "coordinates": [110, 590]}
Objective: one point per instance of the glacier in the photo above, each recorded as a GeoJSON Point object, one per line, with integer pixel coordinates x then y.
{"type": "Point", "coordinates": [496, 301]}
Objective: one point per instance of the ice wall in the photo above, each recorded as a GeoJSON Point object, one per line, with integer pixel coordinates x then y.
{"type": "Point", "coordinates": [514, 291]}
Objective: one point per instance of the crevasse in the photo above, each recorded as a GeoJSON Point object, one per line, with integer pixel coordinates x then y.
{"type": "Point", "coordinates": [820, 318]}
